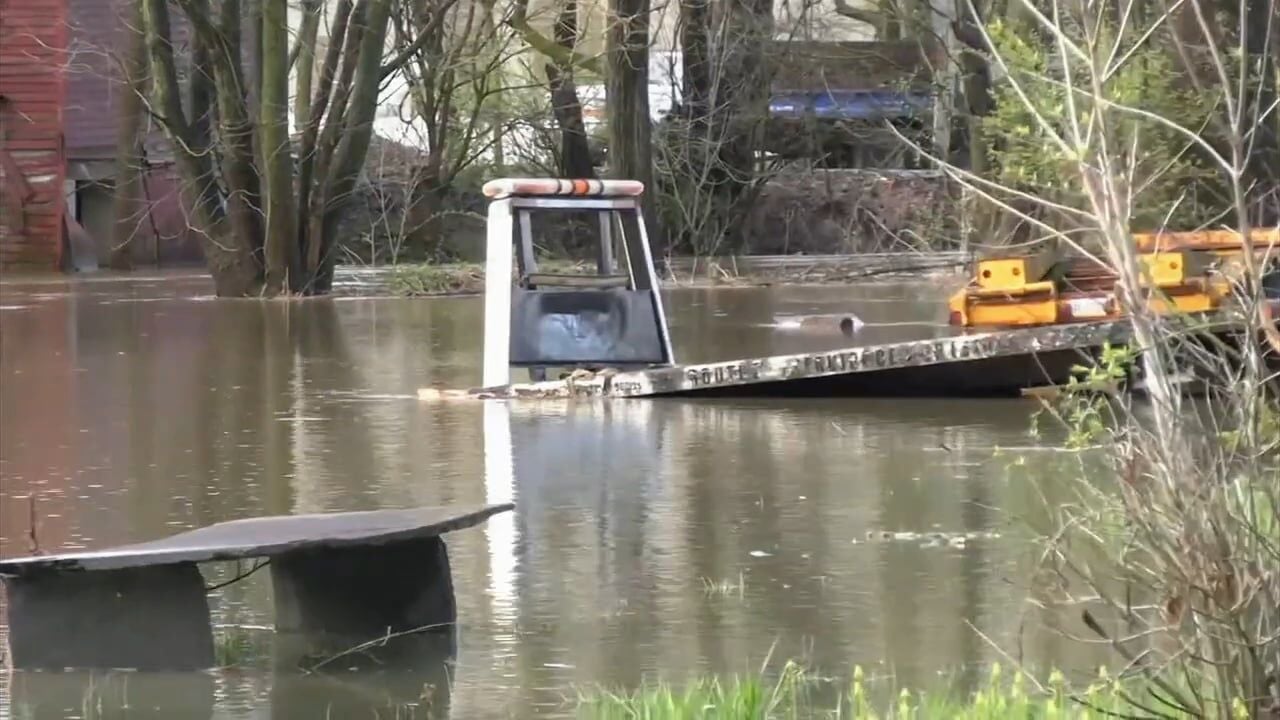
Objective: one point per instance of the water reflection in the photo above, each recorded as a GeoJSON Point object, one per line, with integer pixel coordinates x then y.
{"type": "Point", "coordinates": [112, 695]}
{"type": "Point", "coordinates": [651, 538]}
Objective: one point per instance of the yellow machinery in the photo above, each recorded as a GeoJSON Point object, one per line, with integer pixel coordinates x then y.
{"type": "Point", "coordinates": [1185, 271]}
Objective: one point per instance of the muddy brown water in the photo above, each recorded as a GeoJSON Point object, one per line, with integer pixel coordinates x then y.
{"type": "Point", "coordinates": [652, 539]}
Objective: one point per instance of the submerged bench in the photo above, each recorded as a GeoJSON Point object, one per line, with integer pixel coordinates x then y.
{"type": "Point", "coordinates": [353, 574]}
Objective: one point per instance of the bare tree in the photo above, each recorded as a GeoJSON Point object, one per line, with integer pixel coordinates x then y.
{"type": "Point", "coordinates": [709, 146]}
{"type": "Point", "coordinates": [562, 62]}
{"type": "Point", "coordinates": [1173, 559]}
{"type": "Point", "coordinates": [129, 203]}
{"type": "Point", "coordinates": [277, 234]}
{"type": "Point", "coordinates": [455, 81]}
{"type": "Point", "coordinates": [630, 126]}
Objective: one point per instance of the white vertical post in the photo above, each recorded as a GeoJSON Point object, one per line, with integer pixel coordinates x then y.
{"type": "Point", "coordinates": [497, 295]}
{"type": "Point", "coordinates": [653, 284]}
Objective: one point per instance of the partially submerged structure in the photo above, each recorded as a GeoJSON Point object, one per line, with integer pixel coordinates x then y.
{"type": "Point", "coordinates": [608, 329]}
{"type": "Point", "coordinates": [351, 577]}
{"type": "Point", "coordinates": [612, 318]}
{"type": "Point", "coordinates": [1184, 272]}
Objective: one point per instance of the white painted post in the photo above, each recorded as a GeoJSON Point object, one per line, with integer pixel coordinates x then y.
{"type": "Point", "coordinates": [497, 295]}
{"type": "Point", "coordinates": [654, 284]}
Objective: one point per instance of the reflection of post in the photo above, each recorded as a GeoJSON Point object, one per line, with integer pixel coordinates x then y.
{"type": "Point", "coordinates": [499, 487]}
{"type": "Point", "coordinates": [112, 694]}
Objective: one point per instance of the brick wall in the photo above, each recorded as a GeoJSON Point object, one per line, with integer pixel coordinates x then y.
{"type": "Point", "coordinates": [33, 41]}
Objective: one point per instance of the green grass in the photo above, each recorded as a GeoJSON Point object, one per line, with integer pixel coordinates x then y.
{"type": "Point", "coordinates": [418, 280]}
{"type": "Point", "coordinates": [797, 694]}
{"type": "Point", "coordinates": [725, 588]}
{"type": "Point", "coordinates": [236, 645]}
{"type": "Point", "coordinates": [425, 279]}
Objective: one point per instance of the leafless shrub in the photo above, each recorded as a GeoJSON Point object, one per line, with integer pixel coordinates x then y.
{"type": "Point", "coordinates": [1175, 554]}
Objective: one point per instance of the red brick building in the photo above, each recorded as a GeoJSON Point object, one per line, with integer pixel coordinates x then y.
{"type": "Point", "coordinates": [33, 87]}
{"type": "Point", "coordinates": [59, 75]}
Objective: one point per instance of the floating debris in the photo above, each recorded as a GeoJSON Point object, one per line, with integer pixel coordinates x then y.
{"type": "Point", "coordinates": [438, 394]}
{"type": "Point", "coordinates": [933, 539]}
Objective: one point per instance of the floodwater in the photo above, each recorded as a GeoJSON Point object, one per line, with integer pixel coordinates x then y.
{"type": "Point", "coordinates": [651, 539]}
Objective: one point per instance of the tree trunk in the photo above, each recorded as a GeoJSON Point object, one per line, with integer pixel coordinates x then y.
{"type": "Point", "coordinates": [253, 19]}
{"type": "Point", "coordinates": [200, 90]}
{"type": "Point", "coordinates": [331, 133]}
{"type": "Point", "coordinates": [234, 272]}
{"type": "Point", "coordinates": [743, 85]}
{"type": "Point", "coordinates": [311, 134]}
{"type": "Point", "coordinates": [426, 195]}
{"type": "Point", "coordinates": [282, 267]}
{"type": "Point", "coordinates": [305, 65]}
{"type": "Point", "coordinates": [695, 59]}
{"type": "Point", "coordinates": [236, 131]}
{"type": "Point", "coordinates": [129, 204]}
{"type": "Point", "coordinates": [432, 77]}
{"type": "Point", "coordinates": [349, 156]}
{"type": "Point", "coordinates": [1264, 165]}
{"type": "Point", "coordinates": [630, 127]}
{"type": "Point", "coordinates": [575, 150]}
{"type": "Point", "coordinates": [977, 98]}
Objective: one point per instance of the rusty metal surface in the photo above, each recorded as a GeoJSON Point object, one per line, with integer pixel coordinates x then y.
{"type": "Point", "coordinates": [267, 536]}
{"type": "Point", "coordinates": [973, 353]}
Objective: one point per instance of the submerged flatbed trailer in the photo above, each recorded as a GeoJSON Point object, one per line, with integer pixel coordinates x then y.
{"type": "Point", "coordinates": [990, 364]}
{"type": "Point", "coordinates": [608, 333]}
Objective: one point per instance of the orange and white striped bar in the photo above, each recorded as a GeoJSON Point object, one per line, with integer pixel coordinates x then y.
{"type": "Point", "coordinates": [548, 187]}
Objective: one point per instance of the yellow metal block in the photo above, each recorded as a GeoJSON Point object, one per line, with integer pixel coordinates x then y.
{"type": "Point", "coordinates": [1175, 268]}
{"type": "Point", "coordinates": [1192, 303]}
{"type": "Point", "coordinates": [1034, 288]}
{"type": "Point", "coordinates": [1030, 304]}
{"type": "Point", "coordinates": [1039, 312]}
{"type": "Point", "coordinates": [1163, 269]}
{"type": "Point", "coordinates": [1009, 273]}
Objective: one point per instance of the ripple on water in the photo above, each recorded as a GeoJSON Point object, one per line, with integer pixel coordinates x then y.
{"type": "Point", "coordinates": [650, 539]}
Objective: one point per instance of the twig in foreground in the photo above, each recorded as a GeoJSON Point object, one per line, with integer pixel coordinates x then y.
{"type": "Point", "coordinates": [378, 641]}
